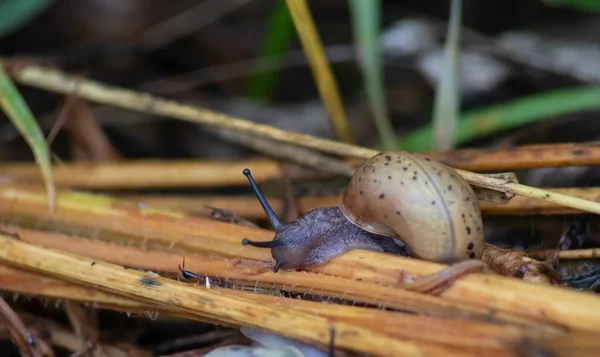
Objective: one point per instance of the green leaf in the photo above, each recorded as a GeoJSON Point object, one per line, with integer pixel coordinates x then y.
{"type": "Point", "coordinates": [584, 5]}
{"type": "Point", "coordinates": [481, 122]}
{"type": "Point", "coordinates": [446, 107]}
{"type": "Point", "coordinates": [18, 112]}
{"type": "Point", "coordinates": [278, 37]}
{"type": "Point", "coordinates": [16, 13]}
{"type": "Point", "coordinates": [365, 29]}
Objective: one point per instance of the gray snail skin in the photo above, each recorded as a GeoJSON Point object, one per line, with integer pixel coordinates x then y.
{"type": "Point", "coordinates": [395, 198]}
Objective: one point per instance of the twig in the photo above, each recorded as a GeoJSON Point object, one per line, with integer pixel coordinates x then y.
{"type": "Point", "coordinates": [18, 332]}
{"type": "Point", "coordinates": [590, 253]}
{"type": "Point", "coordinates": [295, 154]}
{"type": "Point", "coordinates": [186, 81]}
{"type": "Point", "coordinates": [85, 327]}
{"type": "Point", "coordinates": [187, 22]}
{"type": "Point", "coordinates": [579, 253]}
{"type": "Point", "coordinates": [62, 117]}
{"type": "Point", "coordinates": [57, 81]}
{"type": "Point", "coordinates": [289, 208]}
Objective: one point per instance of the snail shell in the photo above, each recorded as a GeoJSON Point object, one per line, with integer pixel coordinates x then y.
{"type": "Point", "coordinates": [419, 201]}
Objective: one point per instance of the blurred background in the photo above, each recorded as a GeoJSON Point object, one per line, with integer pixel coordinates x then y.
{"type": "Point", "coordinates": [244, 58]}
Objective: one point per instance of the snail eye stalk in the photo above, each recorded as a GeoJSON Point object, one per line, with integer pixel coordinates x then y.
{"type": "Point", "coordinates": [263, 202]}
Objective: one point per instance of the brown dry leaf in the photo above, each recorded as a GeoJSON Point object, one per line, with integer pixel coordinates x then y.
{"type": "Point", "coordinates": [517, 264]}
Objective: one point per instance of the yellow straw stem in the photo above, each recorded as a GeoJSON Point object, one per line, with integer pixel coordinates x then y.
{"type": "Point", "coordinates": [320, 67]}
{"type": "Point", "coordinates": [194, 300]}
{"type": "Point", "coordinates": [57, 81]}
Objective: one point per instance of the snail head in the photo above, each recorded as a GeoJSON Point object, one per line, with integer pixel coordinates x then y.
{"type": "Point", "coordinates": [286, 255]}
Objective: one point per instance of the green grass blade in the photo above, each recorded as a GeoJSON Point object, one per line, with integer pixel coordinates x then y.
{"type": "Point", "coordinates": [583, 5]}
{"type": "Point", "coordinates": [365, 28]}
{"type": "Point", "coordinates": [481, 122]}
{"type": "Point", "coordinates": [280, 32]}
{"type": "Point", "coordinates": [446, 107]}
{"type": "Point", "coordinates": [18, 112]}
{"type": "Point", "coordinates": [16, 13]}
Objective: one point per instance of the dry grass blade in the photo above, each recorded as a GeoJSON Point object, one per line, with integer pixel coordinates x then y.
{"type": "Point", "coordinates": [148, 174]}
{"type": "Point", "coordinates": [512, 188]}
{"type": "Point", "coordinates": [321, 70]}
{"type": "Point", "coordinates": [590, 253]}
{"type": "Point", "coordinates": [53, 80]}
{"type": "Point", "coordinates": [123, 222]}
{"type": "Point", "coordinates": [18, 332]}
{"type": "Point", "coordinates": [479, 335]}
{"type": "Point", "coordinates": [520, 205]}
{"type": "Point", "coordinates": [17, 110]}
{"type": "Point", "coordinates": [522, 157]}
{"type": "Point", "coordinates": [200, 173]}
{"type": "Point", "coordinates": [366, 23]}
{"type": "Point", "coordinates": [85, 326]}
{"type": "Point", "coordinates": [580, 253]}
{"type": "Point", "coordinates": [43, 287]}
{"type": "Point", "coordinates": [249, 208]}
{"type": "Point", "coordinates": [247, 274]}
{"type": "Point", "coordinates": [57, 81]}
{"type": "Point", "coordinates": [193, 300]}
{"type": "Point", "coordinates": [446, 108]}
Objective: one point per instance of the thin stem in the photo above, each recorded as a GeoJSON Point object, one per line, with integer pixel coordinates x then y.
{"type": "Point", "coordinates": [57, 81]}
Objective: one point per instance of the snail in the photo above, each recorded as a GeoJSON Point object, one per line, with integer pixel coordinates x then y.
{"type": "Point", "coordinates": [396, 202]}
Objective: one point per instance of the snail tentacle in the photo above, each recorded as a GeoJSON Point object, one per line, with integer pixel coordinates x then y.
{"type": "Point", "coordinates": [263, 202]}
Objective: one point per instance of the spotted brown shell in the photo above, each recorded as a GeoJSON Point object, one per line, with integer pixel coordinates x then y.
{"type": "Point", "coordinates": [419, 201]}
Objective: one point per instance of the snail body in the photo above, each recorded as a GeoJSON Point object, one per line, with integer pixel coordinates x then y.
{"type": "Point", "coordinates": [394, 199]}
